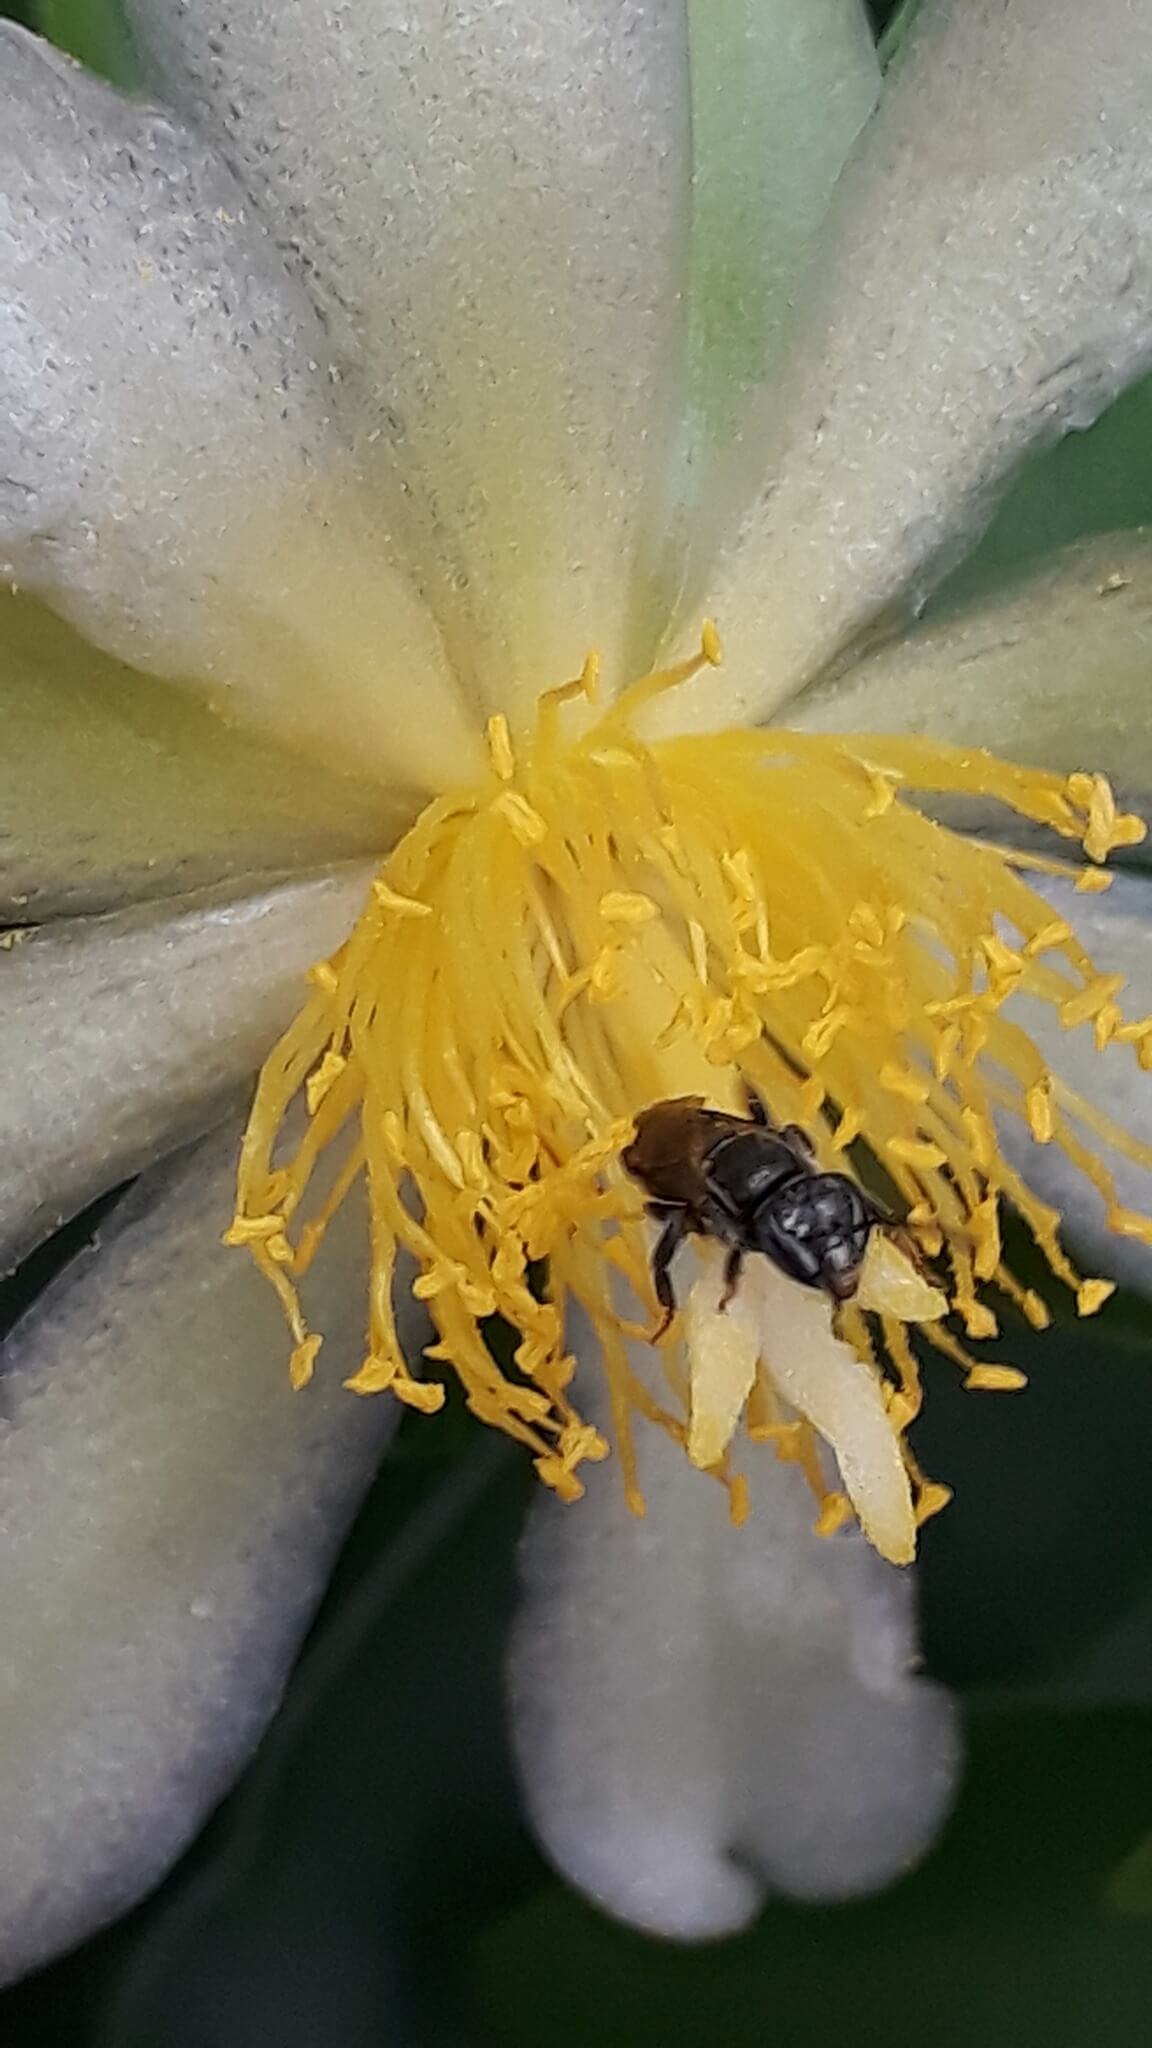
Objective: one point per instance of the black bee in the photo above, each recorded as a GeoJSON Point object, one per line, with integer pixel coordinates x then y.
{"type": "Point", "coordinates": [754, 1187]}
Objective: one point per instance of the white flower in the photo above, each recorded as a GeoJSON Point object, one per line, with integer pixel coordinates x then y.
{"type": "Point", "coordinates": [414, 353]}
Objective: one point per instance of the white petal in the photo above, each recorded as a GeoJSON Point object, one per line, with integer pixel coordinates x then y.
{"type": "Point", "coordinates": [705, 1714]}
{"type": "Point", "coordinates": [1117, 931]}
{"type": "Point", "coordinates": [779, 94]}
{"type": "Point", "coordinates": [113, 789]}
{"type": "Point", "coordinates": [169, 1510]}
{"type": "Point", "coordinates": [170, 478]}
{"type": "Point", "coordinates": [490, 206]}
{"type": "Point", "coordinates": [986, 285]}
{"type": "Point", "coordinates": [122, 1037]}
{"type": "Point", "coordinates": [723, 1354]}
{"type": "Point", "coordinates": [823, 1380]}
{"type": "Point", "coordinates": [1056, 669]}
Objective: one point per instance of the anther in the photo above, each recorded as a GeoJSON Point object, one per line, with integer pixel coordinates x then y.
{"type": "Point", "coordinates": [499, 743]}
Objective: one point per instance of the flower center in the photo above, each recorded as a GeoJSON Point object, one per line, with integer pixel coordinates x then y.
{"type": "Point", "coordinates": [594, 927]}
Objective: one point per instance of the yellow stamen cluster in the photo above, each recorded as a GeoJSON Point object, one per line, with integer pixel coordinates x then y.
{"type": "Point", "coordinates": [540, 949]}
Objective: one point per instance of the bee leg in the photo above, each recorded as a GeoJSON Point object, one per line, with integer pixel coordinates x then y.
{"type": "Point", "coordinates": [732, 1269]}
{"type": "Point", "coordinates": [757, 1107]}
{"type": "Point", "coordinates": [666, 1247]}
{"type": "Point", "coordinates": [799, 1140]}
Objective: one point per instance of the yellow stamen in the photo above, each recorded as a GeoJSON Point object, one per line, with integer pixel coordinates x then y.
{"type": "Point", "coordinates": [834, 1513]}
{"type": "Point", "coordinates": [997, 1379]}
{"type": "Point", "coordinates": [499, 741]}
{"type": "Point", "coordinates": [302, 1363]}
{"type": "Point", "coordinates": [542, 952]}
{"type": "Point", "coordinates": [1092, 1294]}
{"type": "Point", "coordinates": [388, 899]}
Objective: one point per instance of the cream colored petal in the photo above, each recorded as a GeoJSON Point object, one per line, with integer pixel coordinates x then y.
{"type": "Point", "coordinates": [169, 1511]}
{"type": "Point", "coordinates": [115, 789]}
{"type": "Point", "coordinates": [723, 1353]}
{"type": "Point", "coordinates": [171, 479]}
{"type": "Point", "coordinates": [768, 1319]}
{"type": "Point", "coordinates": [490, 206]}
{"type": "Point", "coordinates": [1055, 669]}
{"type": "Point", "coordinates": [986, 284]}
{"type": "Point", "coordinates": [122, 1037]}
{"type": "Point", "coordinates": [824, 1381]}
{"type": "Point", "coordinates": [1117, 930]}
{"type": "Point", "coordinates": [706, 1715]}
{"type": "Point", "coordinates": [779, 94]}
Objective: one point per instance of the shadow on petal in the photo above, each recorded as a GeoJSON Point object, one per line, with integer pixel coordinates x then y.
{"type": "Point", "coordinates": [168, 1511]}
{"type": "Point", "coordinates": [707, 1714]}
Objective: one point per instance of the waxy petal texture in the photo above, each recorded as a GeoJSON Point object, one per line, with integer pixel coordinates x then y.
{"type": "Point", "coordinates": [169, 1511]}
{"type": "Point", "coordinates": [985, 285]}
{"type": "Point", "coordinates": [779, 94]}
{"type": "Point", "coordinates": [1117, 930]}
{"type": "Point", "coordinates": [705, 1715]}
{"type": "Point", "coordinates": [114, 791]}
{"type": "Point", "coordinates": [1054, 669]}
{"type": "Point", "coordinates": [122, 1037]}
{"type": "Point", "coordinates": [489, 205]}
{"type": "Point", "coordinates": [171, 479]}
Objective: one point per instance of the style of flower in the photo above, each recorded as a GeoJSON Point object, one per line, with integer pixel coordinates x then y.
{"type": "Point", "coordinates": [405, 392]}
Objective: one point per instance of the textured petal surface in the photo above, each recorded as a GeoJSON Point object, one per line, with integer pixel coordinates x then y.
{"type": "Point", "coordinates": [1056, 669]}
{"type": "Point", "coordinates": [779, 94]}
{"type": "Point", "coordinates": [818, 1375]}
{"type": "Point", "coordinates": [821, 1378]}
{"type": "Point", "coordinates": [706, 1714]}
{"type": "Point", "coordinates": [1117, 930]}
{"type": "Point", "coordinates": [122, 1037]}
{"type": "Point", "coordinates": [170, 478]}
{"type": "Point", "coordinates": [168, 1510]}
{"type": "Point", "coordinates": [986, 284]}
{"type": "Point", "coordinates": [113, 789]}
{"type": "Point", "coordinates": [490, 205]}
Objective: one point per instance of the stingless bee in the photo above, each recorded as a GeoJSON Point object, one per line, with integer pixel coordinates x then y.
{"type": "Point", "coordinates": [753, 1186]}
